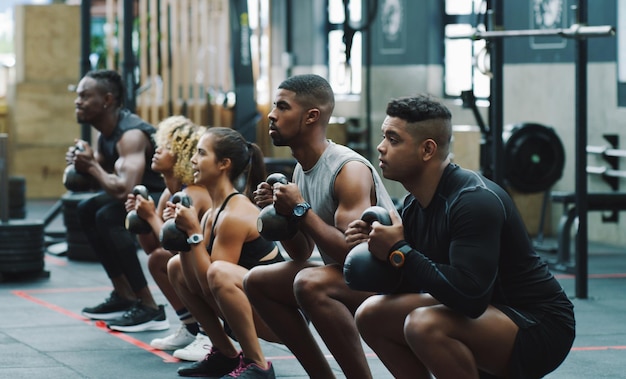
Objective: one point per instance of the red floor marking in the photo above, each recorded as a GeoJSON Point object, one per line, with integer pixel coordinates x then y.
{"type": "Point", "coordinates": [167, 358]}
{"type": "Point", "coordinates": [100, 325]}
{"type": "Point", "coordinates": [68, 290]}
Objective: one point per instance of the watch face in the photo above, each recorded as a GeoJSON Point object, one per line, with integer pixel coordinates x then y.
{"type": "Point", "coordinates": [397, 257]}
{"type": "Point", "coordinates": [301, 209]}
{"type": "Point", "coordinates": [195, 238]}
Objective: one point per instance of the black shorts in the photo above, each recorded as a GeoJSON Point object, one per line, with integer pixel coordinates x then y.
{"type": "Point", "coordinates": [543, 341]}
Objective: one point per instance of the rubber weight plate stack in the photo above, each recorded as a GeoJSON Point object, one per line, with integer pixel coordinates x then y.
{"type": "Point", "coordinates": [78, 247]}
{"type": "Point", "coordinates": [22, 247]}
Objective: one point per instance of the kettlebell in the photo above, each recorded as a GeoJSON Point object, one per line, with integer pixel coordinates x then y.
{"type": "Point", "coordinates": [134, 223]}
{"type": "Point", "coordinates": [362, 271]}
{"type": "Point", "coordinates": [271, 225]}
{"type": "Point", "coordinates": [171, 237]}
{"type": "Point", "coordinates": [77, 181]}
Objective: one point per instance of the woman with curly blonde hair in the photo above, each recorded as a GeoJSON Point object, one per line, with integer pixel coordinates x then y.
{"type": "Point", "coordinates": [176, 139]}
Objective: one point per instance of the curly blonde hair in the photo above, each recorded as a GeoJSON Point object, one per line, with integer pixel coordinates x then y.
{"type": "Point", "coordinates": [181, 136]}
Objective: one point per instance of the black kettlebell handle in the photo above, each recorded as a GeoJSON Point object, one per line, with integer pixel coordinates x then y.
{"type": "Point", "coordinates": [141, 190]}
{"type": "Point", "coordinates": [79, 146]}
{"type": "Point", "coordinates": [276, 177]}
{"type": "Point", "coordinates": [182, 198]}
{"type": "Point", "coordinates": [376, 213]}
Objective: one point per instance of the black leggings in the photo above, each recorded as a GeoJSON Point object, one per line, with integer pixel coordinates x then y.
{"type": "Point", "coordinates": [102, 219]}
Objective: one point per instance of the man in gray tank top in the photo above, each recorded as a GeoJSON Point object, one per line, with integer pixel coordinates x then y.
{"type": "Point", "coordinates": [332, 186]}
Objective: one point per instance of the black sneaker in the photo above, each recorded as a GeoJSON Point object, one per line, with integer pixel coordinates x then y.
{"type": "Point", "coordinates": [214, 364]}
{"type": "Point", "coordinates": [114, 306]}
{"type": "Point", "coordinates": [140, 318]}
{"type": "Point", "coordinates": [250, 370]}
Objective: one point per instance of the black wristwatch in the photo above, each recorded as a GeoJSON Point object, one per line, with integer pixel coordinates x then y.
{"type": "Point", "coordinates": [300, 210]}
{"type": "Point", "coordinates": [195, 239]}
{"type": "Point", "coordinates": [398, 256]}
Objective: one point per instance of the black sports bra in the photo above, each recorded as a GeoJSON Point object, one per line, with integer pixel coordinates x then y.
{"type": "Point", "coordinates": [251, 252]}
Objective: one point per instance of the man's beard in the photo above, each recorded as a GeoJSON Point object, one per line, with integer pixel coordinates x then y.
{"type": "Point", "coordinates": [278, 140]}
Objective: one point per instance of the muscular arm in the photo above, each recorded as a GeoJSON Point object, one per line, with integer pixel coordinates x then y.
{"type": "Point", "coordinates": [354, 189]}
{"type": "Point", "coordinates": [129, 167]}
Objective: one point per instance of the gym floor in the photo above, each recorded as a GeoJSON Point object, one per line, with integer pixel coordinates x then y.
{"type": "Point", "coordinates": [42, 333]}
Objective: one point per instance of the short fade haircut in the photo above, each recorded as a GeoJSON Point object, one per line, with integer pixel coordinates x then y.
{"type": "Point", "coordinates": [109, 81]}
{"type": "Point", "coordinates": [418, 108]}
{"type": "Point", "coordinates": [434, 117]}
{"type": "Point", "coordinates": [312, 91]}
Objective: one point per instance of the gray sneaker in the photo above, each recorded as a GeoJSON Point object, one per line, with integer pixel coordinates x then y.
{"type": "Point", "coordinates": [113, 307]}
{"type": "Point", "coordinates": [140, 318]}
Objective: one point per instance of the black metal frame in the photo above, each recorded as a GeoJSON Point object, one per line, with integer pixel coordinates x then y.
{"type": "Point", "coordinates": [579, 31]}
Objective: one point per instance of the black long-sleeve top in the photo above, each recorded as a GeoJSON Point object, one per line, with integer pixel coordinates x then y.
{"type": "Point", "coordinates": [471, 249]}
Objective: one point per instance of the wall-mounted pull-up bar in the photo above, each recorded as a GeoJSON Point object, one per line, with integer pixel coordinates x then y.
{"type": "Point", "coordinates": [574, 31]}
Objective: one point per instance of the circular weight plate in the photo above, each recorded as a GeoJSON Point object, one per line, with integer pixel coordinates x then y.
{"type": "Point", "coordinates": [534, 157]}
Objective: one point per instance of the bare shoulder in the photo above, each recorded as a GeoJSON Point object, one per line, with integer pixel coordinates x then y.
{"type": "Point", "coordinates": [199, 196]}
{"type": "Point", "coordinates": [238, 217]}
{"type": "Point", "coordinates": [133, 141]}
{"type": "Point", "coordinates": [354, 191]}
{"type": "Point", "coordinates": [354, 179]}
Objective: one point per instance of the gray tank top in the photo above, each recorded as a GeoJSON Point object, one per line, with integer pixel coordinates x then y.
{"type": "Point", "coordinates": [317, 185]}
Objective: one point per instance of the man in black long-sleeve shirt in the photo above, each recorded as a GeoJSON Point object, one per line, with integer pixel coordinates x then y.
{"type": "Point", "coordinates": [472, 296]}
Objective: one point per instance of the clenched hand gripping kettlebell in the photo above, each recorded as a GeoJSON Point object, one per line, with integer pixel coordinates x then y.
{"type": "Point", "coordinates": [77, 181]}
{"type": "Point", "coordinates": [171, 237]}
{"type": "Point", "coordinates": [271, 225]}
{"type": "Point", "coordinates": [362, 271]}
{"type": "Point", "coordinates": [134, 223]}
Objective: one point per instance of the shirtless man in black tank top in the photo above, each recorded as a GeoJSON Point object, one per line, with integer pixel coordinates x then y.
{"type": "Point", "coordinates": [120, 161]}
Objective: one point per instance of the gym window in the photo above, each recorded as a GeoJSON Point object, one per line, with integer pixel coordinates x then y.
{"type": "Point", "coordinates": [466, 62]}
{"type": "Point", "coordinates": [344, 75]}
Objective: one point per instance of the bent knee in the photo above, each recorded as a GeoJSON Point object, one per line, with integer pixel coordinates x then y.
{"type": "Point", "coordinates": [174, 269]}
{"type": "Point", "coordinates": [254, 282]}
{"type": "Point", "coordinates": [221, 274]}
{"type": "Point", "coordinates": [158, 259]}
{"type": "Point", "coordinates": [423, 324]}
{"type": "Point", "coordinates": [309, 283]}
{"type": "Point", "coordinates": [368, 313]}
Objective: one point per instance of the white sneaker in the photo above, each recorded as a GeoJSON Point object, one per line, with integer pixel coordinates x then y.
{"type": "Point", "coordinates": [195, 351]}
{"type": "Point", "coordinates": [179, 339]}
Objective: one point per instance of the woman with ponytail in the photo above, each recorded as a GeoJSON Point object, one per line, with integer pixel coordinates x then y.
{"type": "Point", "coordinates": [225, 244]}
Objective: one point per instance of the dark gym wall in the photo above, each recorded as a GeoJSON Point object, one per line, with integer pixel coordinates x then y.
{"type": "Point", "coordinates": [419, 40]}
